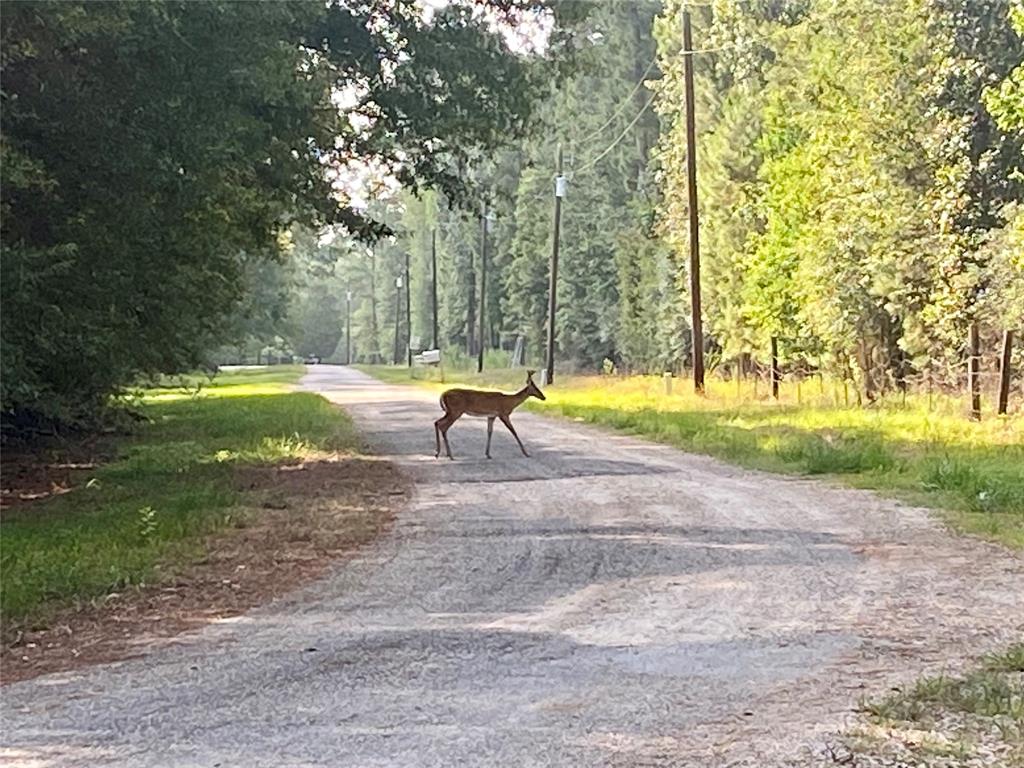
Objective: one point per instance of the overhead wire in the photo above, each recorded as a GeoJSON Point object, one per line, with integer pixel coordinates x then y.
{"type": "Point", "coordinates": [594, 134]}
{"type": "Point", "coordinates": [587, 166]}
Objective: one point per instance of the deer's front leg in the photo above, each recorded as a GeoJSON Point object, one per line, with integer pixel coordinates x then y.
{"type": "Point", "coordinates": [508, 423]}
{"type": "Point", "coordinates": [490, 429]}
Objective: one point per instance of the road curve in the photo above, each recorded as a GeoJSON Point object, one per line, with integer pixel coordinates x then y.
{"type": "Point", "coordinates": [607, 602]}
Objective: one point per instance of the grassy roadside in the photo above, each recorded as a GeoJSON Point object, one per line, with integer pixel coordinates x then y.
{"type": "Point", "coordinates": [172, 485]}
{"type": "Point", "coordinates": [976, 718]}
{"type": "Point", "coordinates": [924, 453]}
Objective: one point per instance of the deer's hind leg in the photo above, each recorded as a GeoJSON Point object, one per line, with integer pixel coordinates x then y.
{"type": "Point", "coordinates": [441, 427]}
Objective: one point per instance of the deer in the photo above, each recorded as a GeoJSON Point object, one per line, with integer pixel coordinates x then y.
{"type": "Point", "coordinates": [494, 405]}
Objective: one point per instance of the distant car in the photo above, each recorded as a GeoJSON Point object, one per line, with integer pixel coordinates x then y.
{"type": "Point", "coordinates": [312, 359]}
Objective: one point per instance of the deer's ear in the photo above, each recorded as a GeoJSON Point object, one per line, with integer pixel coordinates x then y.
{"type": "Point", "coordinates": [529, 375]}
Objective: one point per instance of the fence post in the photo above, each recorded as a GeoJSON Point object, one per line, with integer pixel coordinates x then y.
{"type": "Point", "coordinates": [973, 374]}
{"type": "Point", "coordinates": [775, 368]}
{"type": "Point", "coordinates": [1004, 371]}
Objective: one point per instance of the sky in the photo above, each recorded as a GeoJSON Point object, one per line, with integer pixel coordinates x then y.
{"type": "Point", "coordinates": [359, 182]}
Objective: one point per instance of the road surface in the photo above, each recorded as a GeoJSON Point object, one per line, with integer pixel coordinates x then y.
{"type": "Point", "coordinates": [607, 602]}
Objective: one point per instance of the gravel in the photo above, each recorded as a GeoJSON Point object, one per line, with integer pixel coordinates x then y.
{"type": "Point", "coordinates": [607, 602]}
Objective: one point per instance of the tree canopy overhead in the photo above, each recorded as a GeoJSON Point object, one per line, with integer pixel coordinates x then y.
{"type": "Point", "coordinates": [169, 170]}
{"type": "Point", "coordinates": [860, 184]}
{"type": "Point", "coordinates": [151, 151]}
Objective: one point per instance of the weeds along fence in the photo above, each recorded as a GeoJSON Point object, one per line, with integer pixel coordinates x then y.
{"type": "Point", "coordinates": [986, 379]}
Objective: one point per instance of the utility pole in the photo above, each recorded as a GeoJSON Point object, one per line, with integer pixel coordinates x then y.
{"type": "Point", "coordinates": [974, 370]}
{"type": "Point", "coordinates": [398, 314]}
{"type": "Point", "coordinates": [408, 312]}
{"type": "Point", "coordinates": [471, 308]}
{"type": "Point", "coordinates": [775, 367]}
{"type": "Point", "coordinates": [433, 280]}
{"type": "Point", "coordinates": [691, 173]}
{"type": "Point", "coordinates": [1004, 372]}
{"type": "Point", "coordinates": [348, 327]}
{"type": "Point", "coordinates": [483, 285]}
{"type": "Point", "coordinates": [560, 186]}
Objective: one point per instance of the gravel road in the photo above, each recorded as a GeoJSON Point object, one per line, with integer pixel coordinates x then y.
{"type": "Point", "coordinates": [608, 602]}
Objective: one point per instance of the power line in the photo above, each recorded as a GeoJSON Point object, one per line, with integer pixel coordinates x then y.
{"type": "Point", "coordinates": [620, 137]}
{"type": "Point", "coordinates": [643, 109]}
{"type": "Point", "coordinates": [622, 104]}
{"type": "Point", "coordinates": [594, 134]}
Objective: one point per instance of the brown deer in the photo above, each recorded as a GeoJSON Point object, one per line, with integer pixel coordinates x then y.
{"type": "Point", "coordinates": [475, 402]}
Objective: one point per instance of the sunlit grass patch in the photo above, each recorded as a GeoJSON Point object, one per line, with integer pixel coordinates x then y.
{"type": "Point", "coordinates": [171, 485]}
{"type": "Point", "coordinates": [244, 382]}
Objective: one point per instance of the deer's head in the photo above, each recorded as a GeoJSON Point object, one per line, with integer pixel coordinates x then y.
{"type": "Point", "coordinates": [532, 390]}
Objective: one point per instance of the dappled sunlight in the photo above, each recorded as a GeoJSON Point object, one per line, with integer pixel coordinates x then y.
{"type": "Point", "coordinates": [245, 382]}
{"type": "Point", "coordinates": [173, 483]}
{"type": "Point", "coordinates": [233, 390]}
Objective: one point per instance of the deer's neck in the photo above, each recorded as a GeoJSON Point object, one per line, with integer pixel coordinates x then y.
{"type": "Point", "coordinates": [520, 397]}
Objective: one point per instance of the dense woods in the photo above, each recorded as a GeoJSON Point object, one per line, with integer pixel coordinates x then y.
{"type": "Point", "coordinates": [159, 159]}
{"type": "Point", "coordinates": [860, 197]}
{"type": "Point", "coordinates": [861, 180]}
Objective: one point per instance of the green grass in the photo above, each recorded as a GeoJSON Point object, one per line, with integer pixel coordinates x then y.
{"type": "Point", "coordinates": [926, 452]}
{"type": "Point", "coordinates": [994, 688]}
{"type": "Point", "coordinates": [169, 488]}
{"type": "Point", "coordinates": [954, 715]}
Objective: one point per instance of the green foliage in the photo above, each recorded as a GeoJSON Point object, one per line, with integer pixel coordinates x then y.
{"type": "Point", "coordinates": [154, 153]}
{"type": "Point", "coordinates": [854, 188]}
{"type": "Point", "coordinates": [1006, 102]}
{"type": "Point", "coordinates": [990, 690]}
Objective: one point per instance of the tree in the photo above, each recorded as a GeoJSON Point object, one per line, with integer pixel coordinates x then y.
{"type": "Point", "coordinates": [200, 132]}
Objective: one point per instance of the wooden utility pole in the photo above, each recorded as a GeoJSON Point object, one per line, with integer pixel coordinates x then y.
{"type": "Point", "coordinates": [1004, 371]}
{"type": "Point", "coordinates": [433, 281]}
{"type": "Point", "coordinates": [483, 286]}
{"type": "Point", "coordinates": [471, 309]}
{"type": "Point", "coordinates": [560, 185]}
{"type": "Point", "coordinates": [408, 312]}
{"type": "Point", "coordinates": [973, 371]}
{"type": "Point", "coordinates": [398, 316]}
{"type": "Point", "coordinates": [691, 173]}
{"type": "Point", "coordinates": [348, 327]}
{"type": "Point", "coordinates": [775, 368]}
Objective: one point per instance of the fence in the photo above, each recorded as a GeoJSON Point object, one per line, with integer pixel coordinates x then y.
{"type": "Point", "coordinates": [986, 379]}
